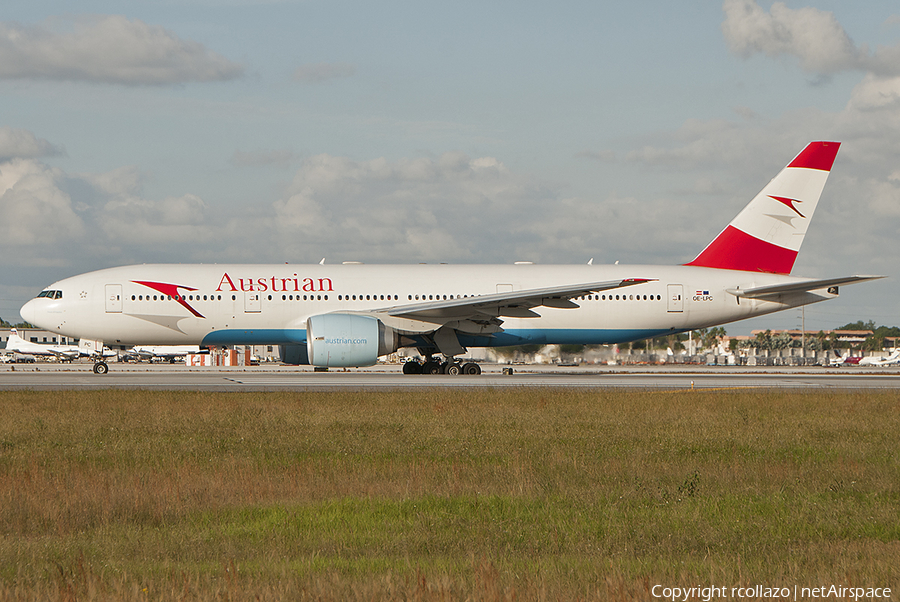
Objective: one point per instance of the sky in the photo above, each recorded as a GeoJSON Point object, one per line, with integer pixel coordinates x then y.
{"type": "Point", "coordinates": [253, 131]}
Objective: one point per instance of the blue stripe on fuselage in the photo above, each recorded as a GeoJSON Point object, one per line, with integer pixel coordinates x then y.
{"type": "Point", "coordinates": [261, 336]}
{"type": "Point", "coordinates": [559, 336]}
{"type": "Point", "coordinates": [531, 336]}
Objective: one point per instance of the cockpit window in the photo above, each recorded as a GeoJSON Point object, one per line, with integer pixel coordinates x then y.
{"type": "Point", "coordinates": [58, 295]}
{"type": "Point", "coordinates": [50, 294]}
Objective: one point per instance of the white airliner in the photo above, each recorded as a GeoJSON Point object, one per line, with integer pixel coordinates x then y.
{"type": "Point", "coordinates": [168, 353]}
{"type": "Point", "coordinates": [20, 345]}
{"type": "Point", "coordinates": [349, 315]}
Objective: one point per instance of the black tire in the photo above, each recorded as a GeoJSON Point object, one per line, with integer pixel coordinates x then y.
{"type": "Point", "coordinates": [471, 369]}
{"type": "Point", "coordinates": [412, 368]}
{"type": "Point", "coordinates": [453, 369]}
{"type": "Point", "coordinates": [101, 368]}
{"type": "Point", "coordinates": [431, 368]}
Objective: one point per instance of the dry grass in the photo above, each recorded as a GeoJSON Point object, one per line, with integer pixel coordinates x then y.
{"type": "Point", "coordinates": [443, 494]}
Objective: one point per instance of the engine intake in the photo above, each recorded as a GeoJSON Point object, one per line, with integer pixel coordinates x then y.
{"type": "Point", "coordinates": [347, 340]}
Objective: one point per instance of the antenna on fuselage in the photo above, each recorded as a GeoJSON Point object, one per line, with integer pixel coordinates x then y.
{"type": "Point", "coordinates": [322, 262]}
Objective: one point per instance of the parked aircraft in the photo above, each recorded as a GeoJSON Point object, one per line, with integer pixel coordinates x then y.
{"type": "Point", "coordinates": [892, 360]}
{"type": "Point", "coordinates": [848, 360]}
{"type": "Point", "coordinates": [16, 343]}
{"type": "Point", "coordinates": [350, 315]}
{"type": "Point", "coordinates": [167, 353]}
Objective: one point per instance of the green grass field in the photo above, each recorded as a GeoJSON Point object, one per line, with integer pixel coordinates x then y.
{"type": "Point", "coordinates": [444, 494]}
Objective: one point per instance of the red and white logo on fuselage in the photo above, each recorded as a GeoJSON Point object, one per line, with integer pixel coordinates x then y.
{"type": "Point", "coordinates": [171, 290]}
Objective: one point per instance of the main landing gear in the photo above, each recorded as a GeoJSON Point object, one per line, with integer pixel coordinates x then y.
{"type": "Point", "coordinates": [432, 366]}
{"type": "Point", "coordinates": [100, 367]}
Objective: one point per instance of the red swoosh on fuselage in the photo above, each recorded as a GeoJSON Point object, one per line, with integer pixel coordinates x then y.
{"type": "Point", "coordinates": [171, 290]}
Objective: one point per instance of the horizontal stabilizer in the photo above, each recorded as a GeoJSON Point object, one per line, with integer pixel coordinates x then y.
{"type": "Point", "coordinates": [760, 292]}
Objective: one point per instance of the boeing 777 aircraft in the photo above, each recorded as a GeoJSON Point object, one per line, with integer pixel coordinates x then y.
{"type": "Point", "coordinates": [349, 315]}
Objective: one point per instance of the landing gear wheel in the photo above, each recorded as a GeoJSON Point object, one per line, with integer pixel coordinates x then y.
{"type": "Point", "coordinates": [412, 368]}
{"type": "Point", "coordinates": [471, 368]}
{"type": "Point", "coordinates": [431, 368]}
{"type": "Point", "coordinates": [452, 368]}
{"type": "Point", "coordinates": [101, 368]}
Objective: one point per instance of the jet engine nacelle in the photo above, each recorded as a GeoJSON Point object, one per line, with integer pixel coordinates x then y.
{"type": "Point", "coordinates": [347, 340]}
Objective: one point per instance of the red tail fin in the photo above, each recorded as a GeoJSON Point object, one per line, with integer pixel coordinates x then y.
{"type": "Point", "coordinates": [766, 236]}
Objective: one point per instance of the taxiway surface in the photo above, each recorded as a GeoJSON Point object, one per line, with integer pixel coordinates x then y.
{"type": "Point", "coordinates": [269, 378]}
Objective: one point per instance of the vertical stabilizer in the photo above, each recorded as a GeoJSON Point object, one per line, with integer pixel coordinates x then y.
{"type": "Point", "coordinates": [766, 236]}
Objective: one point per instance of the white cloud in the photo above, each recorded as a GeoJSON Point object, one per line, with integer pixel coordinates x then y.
{"type": "Point", "coordinates": [421, 208]}
{"type": "Point", "coordinates": [34, 211]}
{"type": "Point", "coordinates": [24, 144]}
{"type": "Point", "coordinates": [316, 73]}
{"type": "Point", "coordinates": [814, 36]}
{"type": "Point", "coordinates": [49, 217]}
{"type": "Point", "coordinates": [875, 93]}
{"type": "Point", "coordinates": [108, 49]}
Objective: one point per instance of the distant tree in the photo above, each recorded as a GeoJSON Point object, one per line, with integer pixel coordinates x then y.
{"type": "Point", "coordinates": [764, 340]}
{"type": "Point", "coordinates": [709, 337]}
{"type": "Point", "coordinates": [781, 340]}
{"type": "Point", "coordinates": [875, 341]}
{"type": "Point", "coordinates": [858, 325]}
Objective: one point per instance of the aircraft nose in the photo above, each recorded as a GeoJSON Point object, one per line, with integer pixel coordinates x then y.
{"type": "Point", "coordinates": [28, 312]}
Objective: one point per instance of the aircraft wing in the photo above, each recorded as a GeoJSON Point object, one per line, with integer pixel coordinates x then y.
{"type": "Point", "coordinates": [513, 304]}
{"type": "Point", "coordinates": [770, 290]}
{"type": "Point", "coordinates": [69, 354]}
